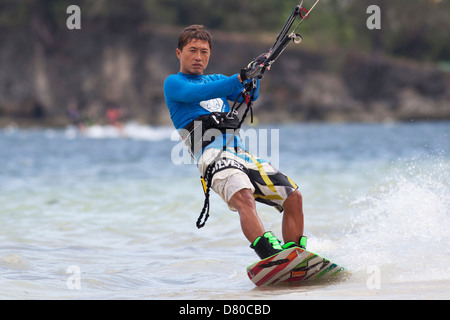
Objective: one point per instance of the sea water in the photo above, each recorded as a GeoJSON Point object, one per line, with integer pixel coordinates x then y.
{"type": "Point", "coordinates": [107, 214]}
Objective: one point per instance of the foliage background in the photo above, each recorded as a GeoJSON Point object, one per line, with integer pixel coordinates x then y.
{"type": "Point", "coordinates": [45, 66]}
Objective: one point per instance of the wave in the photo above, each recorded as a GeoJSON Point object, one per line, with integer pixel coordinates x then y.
{"type": "Point", "coordinates": [129, 130]}
{"type": "Point", "coordinates": [402, 226]}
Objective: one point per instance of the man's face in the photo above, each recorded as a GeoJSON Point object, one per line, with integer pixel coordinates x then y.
{"type": "Point", "coordinates": [194, 57]}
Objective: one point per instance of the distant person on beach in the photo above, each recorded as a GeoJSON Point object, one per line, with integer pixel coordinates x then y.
{"type": "Point", "coordinates": [75, 116]}
{"type": "Point", "coordinates": [196, 100]}
{"type": "Point", "coordinates": [114, 115]}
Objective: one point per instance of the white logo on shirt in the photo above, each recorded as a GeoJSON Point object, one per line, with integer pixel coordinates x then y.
{"type": "Point", "coordinates": [213, 105]}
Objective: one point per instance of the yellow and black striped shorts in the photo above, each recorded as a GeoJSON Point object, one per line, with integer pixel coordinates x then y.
{"type": "Point", "coordinates": [234, 171]}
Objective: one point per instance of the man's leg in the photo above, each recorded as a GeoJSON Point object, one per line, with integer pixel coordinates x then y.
{"type": "Point", "coordinates": [264, 243]}
{"type": "Point", "coordinates": [251, 225]}
{"type": "Point", "coordinates": [292, 226]}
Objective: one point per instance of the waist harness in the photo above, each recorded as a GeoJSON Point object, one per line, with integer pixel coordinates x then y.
{"type": "Point", "coordinates": [206, 128]}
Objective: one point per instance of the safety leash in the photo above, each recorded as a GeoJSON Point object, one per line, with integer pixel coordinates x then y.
{"type": "Point", "coordinates": [207, 179]}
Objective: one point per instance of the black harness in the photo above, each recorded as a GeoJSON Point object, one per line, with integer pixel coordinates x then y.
{"type": "Point", "coordinates": [223, 122]}
{"type": "Point", "coordinates": [199, 133]}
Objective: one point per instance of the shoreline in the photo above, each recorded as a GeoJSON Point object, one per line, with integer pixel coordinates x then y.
{"type": "Point", "coordinates": [263, 119]}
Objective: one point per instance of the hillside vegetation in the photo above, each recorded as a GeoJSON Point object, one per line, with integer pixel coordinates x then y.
{"type": "Point", "coordinates": [125, 49]}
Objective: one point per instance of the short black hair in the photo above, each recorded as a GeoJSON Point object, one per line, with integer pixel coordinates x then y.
{"type": "Point", "coordinates": [195, 31]}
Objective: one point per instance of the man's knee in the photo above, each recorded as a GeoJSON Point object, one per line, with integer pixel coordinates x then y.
{"type": "Point", "coordinates": [243, 194]}
{"type": "Point", "coordinates": [294, 199]}
{"type": "Point", "coordinates": [243, 197]}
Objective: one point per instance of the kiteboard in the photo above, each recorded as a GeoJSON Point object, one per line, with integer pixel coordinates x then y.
{"type": "Point", "coordinates": [293, 265]}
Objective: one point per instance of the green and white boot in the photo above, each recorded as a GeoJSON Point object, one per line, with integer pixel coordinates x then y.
{"type": "Point", "coordinates": [267, 245]}
{"type": "Point", "coordinates": [301, 244]}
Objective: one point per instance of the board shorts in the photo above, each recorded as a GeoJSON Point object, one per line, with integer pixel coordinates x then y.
{"type": "Point", "coordinates": [235, 170]}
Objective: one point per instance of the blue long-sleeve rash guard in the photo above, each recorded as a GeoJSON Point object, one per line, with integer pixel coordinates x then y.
{"type": "Point", "coordinates": [190, 96]}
